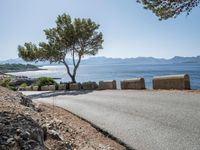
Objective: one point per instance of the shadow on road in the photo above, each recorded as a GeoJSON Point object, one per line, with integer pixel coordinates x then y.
{"type": "Point", "coordinates": [58, 93]}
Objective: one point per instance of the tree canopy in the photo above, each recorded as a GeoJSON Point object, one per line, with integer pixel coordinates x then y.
{"type": "Point", "coordinates": [166, 9]}
{"type": "Point", "coordinates": [76, 38]}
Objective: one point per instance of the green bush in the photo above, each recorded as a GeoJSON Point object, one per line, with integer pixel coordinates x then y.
{"type": "Point", "coordinates": [5, 82]}
{"type": "Point", "coordinates": [44, 81]}
{"type": "Point", "coordinates": [23, 85]}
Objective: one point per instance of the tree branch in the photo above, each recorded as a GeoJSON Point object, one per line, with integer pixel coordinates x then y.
{"type": "Point", "coordinates": [68, 70]}
{"type": "Point", "coordinates": [73, 57]}
{"type": "Point", "coordinates": [77, 65]}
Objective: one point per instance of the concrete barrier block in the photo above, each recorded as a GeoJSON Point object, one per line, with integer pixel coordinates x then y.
{"type": "Point", "coordinates": [89, 85]}
{"type": "Point", "coordinates": [45, 88]}
{"type": "Point", "coordinates": [28, 88]}
{"type": "Point", "coordinates": [179, 82]}
{"type": "Point", "coordinates": [21, 89]}
{"type": "Point", "coordinates": [109, 84]}
{"type": "Point", "coordinates": [52, 87]}
{"type": "Point", "coordinates": [66, 85]}
{"type": "Point", "coordinates": [35, 88]}
{"type": "Point", "coordinates": [61, 87]}
{"type": "Point", "coordinates": [75, 86]}
{"type": "Point", "coordinates": [137, 84]}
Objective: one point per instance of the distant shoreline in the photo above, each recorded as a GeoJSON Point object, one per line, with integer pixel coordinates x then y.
{"type": "Point", "coordinates": [11, 68]}
{"type": "Point", "coordinates": [24, 70]}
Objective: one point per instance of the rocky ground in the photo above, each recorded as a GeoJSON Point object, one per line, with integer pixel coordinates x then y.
{"type": "Point", "coordinates": [27, 126]}
{"type": "Point", "coordinates": [36, 126]}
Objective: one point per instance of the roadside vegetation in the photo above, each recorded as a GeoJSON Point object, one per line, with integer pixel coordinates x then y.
{"type": "Point", "coordinates": [5, 82]}
{"type": "Point", "coordinates": [43, 81]}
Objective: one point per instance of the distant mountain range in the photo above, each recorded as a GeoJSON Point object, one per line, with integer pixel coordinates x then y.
{"type": "Point", "coordinates": [105, 60]}
{"type": "Point", "coordinates": [141, 60]}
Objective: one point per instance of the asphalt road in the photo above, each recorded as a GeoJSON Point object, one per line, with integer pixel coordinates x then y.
{"type": "Point", "coordinates": [144, 120]}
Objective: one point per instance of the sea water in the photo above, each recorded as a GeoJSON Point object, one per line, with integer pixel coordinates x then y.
{"type": "Point", "coordinates": [119, 72]}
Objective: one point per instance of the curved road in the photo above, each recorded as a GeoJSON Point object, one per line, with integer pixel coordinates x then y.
{"type": "Point", "coordinates": [144, 120]}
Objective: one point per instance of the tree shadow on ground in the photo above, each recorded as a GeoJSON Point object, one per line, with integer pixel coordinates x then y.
{"type": "Point", "coordinates": [58, 93]}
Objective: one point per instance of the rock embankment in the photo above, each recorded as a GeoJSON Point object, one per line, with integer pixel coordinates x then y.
{"type": "Point", "coordinates": [20, 132]}
{"type": "Point", "coordinates": [28, 126]}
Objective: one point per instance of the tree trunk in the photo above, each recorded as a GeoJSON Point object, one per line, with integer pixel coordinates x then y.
{"type": "Point", "coordinates": [73, 78]}
{"type": "Point", "coordinates": [73, 75]}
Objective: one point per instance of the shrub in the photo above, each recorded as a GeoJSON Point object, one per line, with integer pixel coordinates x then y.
{"type": "Point", "coordinates": [23, 85]}
{"type": "Point", "coordinates": [5, 82]}
{"type": "Point", "coordinates": [45, 81]}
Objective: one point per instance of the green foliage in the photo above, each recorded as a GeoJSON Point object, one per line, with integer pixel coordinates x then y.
{"type": "Point", "coordinates": [5, 82]}
{"type": "Point", "coordinates": [16, 67]}
{"type": "Point", "coordinates": [23, 85]}
{"type": "Point", "coordinates": [166, 9]}
{"type": "Point", "coordinates": [44, 81]}
{"type": "Point", "coordinates": [77, 38]}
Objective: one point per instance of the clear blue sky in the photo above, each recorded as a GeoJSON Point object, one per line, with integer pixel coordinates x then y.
{"type": "Point", "coordinates": [129, 30]}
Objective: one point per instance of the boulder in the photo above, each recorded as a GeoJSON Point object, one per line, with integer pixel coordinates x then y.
{"type": "Point", "coordinates": [109, 84]}
{"type": "Point", "coordinates": [24, 100]}
{"type": "Point", "coordinates": [179, 82]}
{"type": "Point", "coordinates": [136, 84]}
{"type": "Point", "coordinates": [75, 86]}
{"type": "Point", "coordinates": [55, 135]}
{"type": "Point", "coordinates": [89, 85]}
{"type": "Point", "coordinates": [20, 132]}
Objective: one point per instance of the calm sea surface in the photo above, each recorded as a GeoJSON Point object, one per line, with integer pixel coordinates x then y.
{"type": "Point", "coordinates": [120, 72]}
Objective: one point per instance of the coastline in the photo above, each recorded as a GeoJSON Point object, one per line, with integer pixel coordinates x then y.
{"type": "Point", "coordinates": [9, 71]}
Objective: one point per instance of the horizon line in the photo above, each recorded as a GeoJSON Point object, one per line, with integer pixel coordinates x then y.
{"type": "Point", "coordinates": [118, 57]}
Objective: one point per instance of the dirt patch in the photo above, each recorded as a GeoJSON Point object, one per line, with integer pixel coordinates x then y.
{"type": "Point", "coordinates": [74, 130]}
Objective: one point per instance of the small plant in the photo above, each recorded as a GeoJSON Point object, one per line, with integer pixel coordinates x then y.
{"type": "Point", "coordinates": [45, 81]}
{"type": "Point", "coordinates": [23, 86]}
{"type": "Point", "coordinates": [6, 82]}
